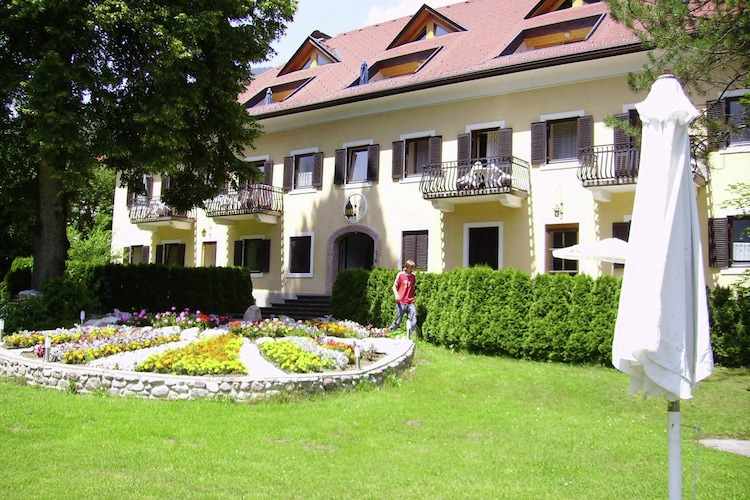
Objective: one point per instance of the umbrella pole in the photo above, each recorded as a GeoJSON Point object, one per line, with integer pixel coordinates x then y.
{"type": "Point", "coordinates": [674, 439]}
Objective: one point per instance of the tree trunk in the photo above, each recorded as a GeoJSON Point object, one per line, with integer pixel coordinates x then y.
{"type": "Point", "coordinates": [50, 237]}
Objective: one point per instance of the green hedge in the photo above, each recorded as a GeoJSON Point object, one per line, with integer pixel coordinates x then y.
{"type": "Point", "coordinates": [98, 289]}
{"type": "Point", "coordinates": [558, 317]}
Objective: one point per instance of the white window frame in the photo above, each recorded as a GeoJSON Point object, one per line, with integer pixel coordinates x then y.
{"type": "Point", "coordinates": [350, 145]}
{"type": "Point", "coordinates": [500, 242]}
{"type": "Point", "coordinates": [295, 153]}
{"type": "Point", "coordinates": [254, 237]}
{"type": "Point", "coordinates": [563, 115]}
{"type": "Point", "coordinates": [288, 255]}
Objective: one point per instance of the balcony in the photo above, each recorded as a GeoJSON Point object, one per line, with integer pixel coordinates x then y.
{"type": "Point", "coordinates": [152, 213]}
{"type": "Point", "coordinates": [504, 179]}
{"type": "Point", "coordinates": [258, 202]}
{"type": "Point", "coordinates": [611, 169]}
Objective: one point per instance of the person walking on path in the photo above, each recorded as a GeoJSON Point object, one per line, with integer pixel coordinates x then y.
{"type": "Point", "coordinates": [403, 290]}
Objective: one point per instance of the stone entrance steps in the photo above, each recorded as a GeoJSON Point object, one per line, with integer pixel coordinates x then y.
{"type": "Point", "coordinates": [301, 308]}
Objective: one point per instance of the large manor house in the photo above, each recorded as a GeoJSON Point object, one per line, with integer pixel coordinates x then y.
{"type": "Point", "coordinates": [471, 134]}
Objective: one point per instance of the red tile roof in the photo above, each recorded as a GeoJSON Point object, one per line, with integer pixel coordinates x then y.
{"type": "Point", "coordinates": [491, 25]}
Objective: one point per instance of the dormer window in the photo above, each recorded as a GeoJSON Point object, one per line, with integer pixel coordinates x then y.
{"type": "Point", "coordinates": [394, 67]}
{"type": "Point", "coordinates": [311, 54]}
{"type": "Point", "coordinates": [277, 93]}
{"type": "Point", "coordinates": [553, 35]}
{"type": "Point", "coordinates": [547, 6]}
{"type": "Point", "coordinates": [425, 24]}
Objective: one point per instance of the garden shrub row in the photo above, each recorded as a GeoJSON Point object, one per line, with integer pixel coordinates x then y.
{"type": "Point", "coordinates": [99, 289]}
{"type": "Point", "coordinates": [551, 317]}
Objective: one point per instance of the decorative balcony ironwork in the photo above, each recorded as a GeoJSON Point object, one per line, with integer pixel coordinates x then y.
{"type": "Point", "coordinates": [152, 211]}
{"type": "Point", "coordinates": [479, 177]}
{"type": "Point", "coordinates": [253, 200]}
{"type": "Point", "coordinates": [616, 165]}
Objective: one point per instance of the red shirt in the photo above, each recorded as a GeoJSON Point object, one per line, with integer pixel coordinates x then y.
{"type": "Point", "coordinates": [405, 284]}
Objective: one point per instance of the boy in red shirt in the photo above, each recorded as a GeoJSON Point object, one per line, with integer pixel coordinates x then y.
{"type": "Point", "coordinates": [403, 290]}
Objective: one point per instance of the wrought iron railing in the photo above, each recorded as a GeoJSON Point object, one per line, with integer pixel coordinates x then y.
{"type": "Point", "coordinates": [616, 164]}
{"type": "Point", "coordinates": [478, 176]}
{"type": "Point", "coordinates": [256, 198]}
{"type": "Point", "coordinates": [144, 210]}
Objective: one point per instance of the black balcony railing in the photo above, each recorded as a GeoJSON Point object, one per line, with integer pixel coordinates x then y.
{"type": "Point", "coordinates": [616, 164]}
{"type": "Point", "coordinates": [610, 164]}
{"type": "Point", "coordinates": [254, 199]}
{"type": "Point", "coordinates": [146, 210]}
{"type": "Point", "coordinates": [478, 176]}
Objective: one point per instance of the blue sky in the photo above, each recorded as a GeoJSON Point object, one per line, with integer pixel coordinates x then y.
{"type": "Point", "coordinates": [339, 16]}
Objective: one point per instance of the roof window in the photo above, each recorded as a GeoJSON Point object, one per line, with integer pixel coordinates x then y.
{"type": "Point", "coordinates": [425, 24]}
{"type": "Point", "coordinates": [553, 35]}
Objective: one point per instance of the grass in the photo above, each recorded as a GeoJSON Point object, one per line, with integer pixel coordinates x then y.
{"type": "Point", "coordinates": [457, 426]}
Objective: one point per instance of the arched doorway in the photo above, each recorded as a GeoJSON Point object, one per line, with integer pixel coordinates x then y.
{"type": "Point", "coordinates": [356, 250]}
{"type": "Point", "coordinates": [351, 247]}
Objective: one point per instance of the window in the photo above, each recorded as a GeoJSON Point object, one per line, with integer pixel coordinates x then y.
{"type": "Point", "coordinates": [303, 171]}
{"type": "Point", "coordinates": [425, 24]}
{"type": "Point", "coordinates": [265, 167]}
{"type": "Point", "coordinates": [729, 241]}
{"type": "Point", "coordinates": [254, 254]}
{"type": "Point", "coordinates": [414, 247]}
{"type": "Point", "coordinates": [311, 54]}
{"type": "Point", "coordinates": [136, 254]}
{"type": "Point", "coordinates": [483, 244]}
{"type": "Point", "coordinates": [561, 139]}
{"type": "Point", "coordinates": [486, 143]}
{"type": "Point", "coordinates": [171, 254]}
{"type": "Point", "coordinates": [394, 67]}
{"type": "Point", "coordinates": [553, 35]}
{"type": "Point", "coordinates": [621, 230]}
{"type": "Point", "coordinates": [277, 93]}
{"type": "Point", "coordinates": [300, 256]}
{"type": "Point", "coordinates": [733, 113]}
{"type": "Point", "coordinates": [547, 6]}
{"type": "Point", "coordinates": [561, 236]}
{"type": "Point", "coordinates": [410, 155]}
{"type": "Point", "coordinates": [209, 254]}
{"type": "Point", "coordinates": [357, 164]}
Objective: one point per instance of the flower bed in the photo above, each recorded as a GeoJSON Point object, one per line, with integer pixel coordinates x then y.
{"type": "Point", "coordinates": [303, 347]}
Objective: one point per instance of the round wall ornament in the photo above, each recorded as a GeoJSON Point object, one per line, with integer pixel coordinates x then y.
{"type": "Point", "coordinates": [355, 207]}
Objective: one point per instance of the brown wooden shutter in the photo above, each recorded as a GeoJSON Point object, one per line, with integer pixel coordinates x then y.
{"type": "Point", "coordinates": [339, 166]}
{"type": "Point", "coordinates": [268, 173]}
{"type": "Point", "coordinates": [149, 183]}
{"type": "Point", "coordinates": [373, 162]}
{"type": "Point", "coordinates": [160, 254]}
{"type": "Point", "coordinates": [397, 166]}
{"type": "Point", "coordinates": [716, 112]}
{"type": "Point", "coordinates": [464, 148]}
{"type": "Point", "coordinates": [421, 258]}
{"type": "Point", "coordinates": [238, 247]}
{"type": "Point", "coordinates": [126, 255]}
{"type": "Point", "coordinates": [146, 253]}
{"type": "Point", "coordinates": [621, 137]}
{"type": "Point", "coordinates": [408, 247]}
{"type": "Point", "coordinates": [181, 254]}
{"type": "Point", "coordinates": [718, 242]}
{"type": "Point", "coordinates": [264, 255]}
{"type": "Point", "coordinates": [539, 142]}
{"type": "Point", "coordinates": [505, 142]}
{"type": "Point", "coordinates": [435, 150]}
{"type": "Point", "coordinates": [585, 133]}
{"type": "Point", "coordinates": [288, 172]}
{"type": "Point", "coordinates": [317, 177]}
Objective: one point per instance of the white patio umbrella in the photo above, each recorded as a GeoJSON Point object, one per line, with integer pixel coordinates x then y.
{"type": "Point", "coordinates": [661, 336]}
{"type": "Point", "coordinates": [607, 250]}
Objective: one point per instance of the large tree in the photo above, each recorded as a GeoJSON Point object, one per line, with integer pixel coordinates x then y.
{"type": "Point", "coordinates": [704, 43]}
{"type": "Point", "coordinates": [141, 86]}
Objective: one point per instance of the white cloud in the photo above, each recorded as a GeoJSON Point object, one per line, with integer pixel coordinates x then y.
{"type": "Point", "coordinates": [402, 8]}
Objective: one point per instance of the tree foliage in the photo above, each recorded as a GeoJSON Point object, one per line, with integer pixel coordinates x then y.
{"type": "Point", "coordinates": [704, 43]}
{"type": "Point", "coordinates": [141, 86]}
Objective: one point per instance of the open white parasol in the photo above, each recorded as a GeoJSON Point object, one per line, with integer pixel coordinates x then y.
{"type": "Point", "coordinates": [607, 250]}
{"type": "Point", "coordinates": [662, 336]}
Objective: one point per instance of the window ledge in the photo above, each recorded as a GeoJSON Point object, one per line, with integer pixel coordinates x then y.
{"type": "Point", "coordinates": [299, 275]}
{"type": "Point", "coordinates": [305, 190]}
{"type": "Point", "coordinates": [412, 179]}
{"type": "Point", "coordinates": [560, 164]}
{"type": "Point", "coordinates": [735, 271]}
{"type": "Point", "coordinates": [356, 185]}
{"type": "Point", "coordinates": [736, 148]}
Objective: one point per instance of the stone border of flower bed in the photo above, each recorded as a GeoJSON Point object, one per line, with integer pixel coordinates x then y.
{"type": "Point", "coordinates": [86, 379]}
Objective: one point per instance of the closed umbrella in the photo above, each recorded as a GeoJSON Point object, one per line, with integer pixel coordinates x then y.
{"type": "Point", "coordinates": [661, 336]}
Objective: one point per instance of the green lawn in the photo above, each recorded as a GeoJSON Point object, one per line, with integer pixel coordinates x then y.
{"type": "Point", "coordinates": [456, 426]}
